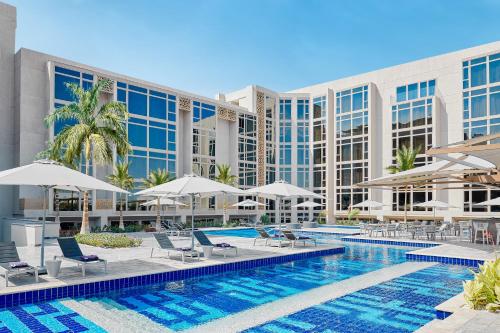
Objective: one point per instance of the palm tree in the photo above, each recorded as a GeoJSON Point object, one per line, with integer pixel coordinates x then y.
{"type": "Point", "coordinates": [405, 160]}
{"type": "Point", "coordinates": [225, 177]}
{"type": "Point", "coordinates": [155, 178]}
{"type": "Point", "coordinates": [96, 131]}
{"type": "Point", "coordinates": [121, 178]}
{"type": "Point", "coordinates": [56, 155]}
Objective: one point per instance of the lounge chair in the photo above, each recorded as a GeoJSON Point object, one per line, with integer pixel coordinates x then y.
{"type": "Point", "coordinates": [166, 244]}
{"type": "Point", "coordinates": [72, 252]}
{"type": "Point", "coordinates": [204, 241]}
{"type": "Point", "coordinates": [294, 239]}
{"type": "Point", "coordinates": [263, 234]}
{"type": "Point", "coordinates": [10, 263]}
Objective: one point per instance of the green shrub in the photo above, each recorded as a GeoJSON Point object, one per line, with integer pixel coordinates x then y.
{"type": "Point", "coordinates": [484, 291]}
{"type": "Point", "coordinates": [108, 240]}
{"type": "Point", "coordinates": [264, 219]}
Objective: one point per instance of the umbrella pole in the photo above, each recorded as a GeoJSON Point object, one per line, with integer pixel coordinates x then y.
{"type": "Point", "coordinates": [278, 200]}
{"type": "Point", "coordinates": [42, 247]}
{"type": "Point", "coordinates": [192, 221]}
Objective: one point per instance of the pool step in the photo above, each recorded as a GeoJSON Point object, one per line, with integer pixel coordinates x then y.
{"type": "Point", "coordinates": [114, 317]}
{"type": "Point", "coordinates": [106, 322]}
{"type": "Point", "coordinates": [130, 321]}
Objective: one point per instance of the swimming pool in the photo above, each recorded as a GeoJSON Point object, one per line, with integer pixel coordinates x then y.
{"type": "Point", "coordinates": [183, 304]}
{"type": "Point", "coordinates": [400, 305]}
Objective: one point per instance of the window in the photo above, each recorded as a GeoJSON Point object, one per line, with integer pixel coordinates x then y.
{"type": "Point", "coordinates": [413, 91]}
{"type": "Point", "coordinates": [157, 107]}
{"type": "Point", "coordinates": [478, 75]}
{"type": "Point", "coordinates": [478, 106]}
{"type": "Point", "coordinates": [319, 107]}
{"type": "Point", "coordinates": [137, 103]}
{"type": "Point", "coordinates": [157, 138]}
{"type": "Point", "coordinates": [495, 103]}
{"type": "Point", "coordinates": [137, 135]}
{"type": "Point", "coordinates": [495, 68]}
{"type": "Point", "coordinates": [401, 93]}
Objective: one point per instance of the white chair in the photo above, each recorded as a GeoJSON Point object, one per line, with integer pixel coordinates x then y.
{"type": "Point", "coordinates": [481, 227]}
{"type": "Point", "coordinates": [465, 230]}
{"type": "Point", "coordinates": [391, 229]}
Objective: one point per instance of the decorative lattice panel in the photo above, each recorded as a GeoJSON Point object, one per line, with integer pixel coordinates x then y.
{"type": "Point", "coordinates": [108, 85]}
{"type": "Point", "coordinates": [104, 204]}
{"type": "Point", "coordinates": [184, 104]}
{"type": "Point", "coordinates": [261, 140]}
{"type": "Point", "coordinates": [226, 114]}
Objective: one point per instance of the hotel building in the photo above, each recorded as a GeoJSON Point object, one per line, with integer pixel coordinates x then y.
{"type": "Point", "coordinates": [324, 137]}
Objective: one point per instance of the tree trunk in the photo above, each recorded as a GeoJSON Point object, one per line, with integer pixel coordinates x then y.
{"type": "Point", "coordinates": [85, 217]}
{"type": "Point", "coordinates": [121, 225]}
{"type": "Point", "coordinates": [158, 217]}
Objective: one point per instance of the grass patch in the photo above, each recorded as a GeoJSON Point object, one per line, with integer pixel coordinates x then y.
{"type": "Point", "coordinates": [108, 240]}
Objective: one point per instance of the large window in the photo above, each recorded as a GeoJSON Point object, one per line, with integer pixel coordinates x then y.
{"type": "Point", "coordinates": [415, 91]}
{"type": "Point", "coordinates": [481, 112]}
{"type": "Point", "coordinates": [351, 122]}
{"type": "Point", "coordinates": [204, 135]}
{"type": "Point", "coordinates": [247, 150]}
{"type": "Point", "coordinates": [151, 129]}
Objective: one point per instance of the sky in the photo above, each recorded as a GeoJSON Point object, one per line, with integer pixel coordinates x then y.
{"type": "Point", "coordinates": [212, 46]}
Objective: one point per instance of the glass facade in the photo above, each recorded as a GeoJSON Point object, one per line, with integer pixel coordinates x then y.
{"type": "Point", "coordinates": [151, 129]}
{"type": "Point", "coordinates": [303, 146]}
{"type": "Point", "coordinates": [68, 200]}
{"type": "Point", "coordinates": [285, 140]}
{"type": "Point", "coordinates": [481, 114]}
{"type": "Point", "coordinates": [204, 139]}
{"type": "Point", "coordinates": [351, 138]}
{"type": "Point", "coordinates": [319, 128]}
{"type": "Point", "coordinates": [412, 121]}
{"type": "Point", "coordinates": [247, 150]}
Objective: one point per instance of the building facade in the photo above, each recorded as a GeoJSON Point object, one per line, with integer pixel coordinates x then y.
{"type": "Point", "coordinates": [326, 137]}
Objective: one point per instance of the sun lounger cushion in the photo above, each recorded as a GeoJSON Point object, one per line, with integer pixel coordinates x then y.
{"type": "Point", "coordinates": [184, 249]}
{"type": "Point", "coordinates": [88, 258]}
{"type": "Point", "coordinates": [223, 245]}
{"type": "Point", "coordinates": [18, 264]}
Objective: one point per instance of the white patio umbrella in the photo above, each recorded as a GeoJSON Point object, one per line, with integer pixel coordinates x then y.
{"type": "Point", "coordinates": [369, 204]}
{"type": "Point", "coordinates": [279, 190]}
{"type": "Point", "coordinates": [248, 203]}
{"type": "Point", "coordinates": [163, 202]}
{"type": "Point", "coordinates": [492, 202]}
{"type": "Point", "coordinates": [434, 204]}
{"type": "Point", "coordinates": [48, 174]}
{"type": "Point", "coordinates": [191, 185]}
{"type": "Point", "coordinates": [308, 205]}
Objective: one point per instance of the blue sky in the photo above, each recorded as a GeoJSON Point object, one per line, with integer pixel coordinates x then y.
{"type": "Point", "coordinates": [223, 45]}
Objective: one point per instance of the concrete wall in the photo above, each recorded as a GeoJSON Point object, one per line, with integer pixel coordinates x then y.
{"type": "Point", "coordinates": [7, 51]}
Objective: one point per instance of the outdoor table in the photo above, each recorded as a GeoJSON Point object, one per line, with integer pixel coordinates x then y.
{"type": "Point", "coordinates": [53, 267]}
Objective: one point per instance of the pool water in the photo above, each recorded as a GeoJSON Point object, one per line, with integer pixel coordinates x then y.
{"type": "Point", "coordinates": [183, 304]}
{"type": "Point", "coordinates": [403, 304]}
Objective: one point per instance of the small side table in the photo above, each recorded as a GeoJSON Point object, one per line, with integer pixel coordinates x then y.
{"type": "Point", "coordinates": [53, 267]}
{"type": "Point", "coordinates": [207, 251]}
